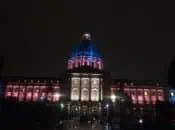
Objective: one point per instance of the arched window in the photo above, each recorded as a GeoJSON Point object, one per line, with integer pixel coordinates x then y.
{"type": "Point", "coordinates": [75, 94]}
{"type": "Point", "coordinates": [85, 94]}
{"type": "Point", "coordinates": [94, 95]}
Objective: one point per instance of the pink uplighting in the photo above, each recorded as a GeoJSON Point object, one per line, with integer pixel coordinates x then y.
{"type": "Point", "coordinates": [142, 94]}
{"type": "Point", "coordinates": [32, 91]}
{"type": "Point", "coordinates": [81, 61]}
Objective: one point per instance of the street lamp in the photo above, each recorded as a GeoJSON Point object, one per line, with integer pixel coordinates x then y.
{"type": "Point", "coordinates": [62, 105]}
{"type": "Point", "coordinates": [140, 121]}
{"type": "Point", "coordinates": [107, 110]}
{"type": "Point", "coordinates": [107, 106]}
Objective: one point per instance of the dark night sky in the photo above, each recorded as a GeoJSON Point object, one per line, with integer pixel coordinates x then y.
{"type": "Point", "coordinates": [137, 41]}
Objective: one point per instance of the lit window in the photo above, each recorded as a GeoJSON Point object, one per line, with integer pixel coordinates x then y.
{"type": "Point", "coordinates": [75, 80]}
{"type": "Point", "coordinates": [94, 95]}
{"type": "Point", "coordinates": [113, 98]}
{"type": "Point", "coordinates": [28, 96]}
{"type": "Point", "coordinates": [56, 97]}
{"type": "Point", "coordinates": [134, 99]}
{"type": "Point", "coordinates": [140, 98]}
{"type": "Point", "coordinates": [85, 81]}
{"type": "Point", "coordinates": [49, 97]}
{"type": "Point", "coordinates": [146, 93]}
{"type": "Point", "coordinates": [85, 95]}
{"type": "Point", "coordinates": [75, 94]}
{"type": "Point", "coordinates": [15, 90]}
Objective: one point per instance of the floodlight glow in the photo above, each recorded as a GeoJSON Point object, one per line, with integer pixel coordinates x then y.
{"type": "Point", "coordinates": [57, 95]}
{"type": "Point", "coordinates": [172, 94]}
{"type": "Point", "coordinates": [146, 93]}
{"type": "Point", "coordinates": [113, 98]}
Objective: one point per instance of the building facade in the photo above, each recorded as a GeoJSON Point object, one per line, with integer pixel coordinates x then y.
{"type": "Point", "coordinates": [32, 90]}
{"type": "Point", "coordinates": [141, 94]}
{"type": "Point", "coordinates": [84, 87]}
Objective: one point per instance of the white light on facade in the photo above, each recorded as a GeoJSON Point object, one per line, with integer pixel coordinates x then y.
{"type": "Point", "coordinates": [172, 94]}
{"type": "Point", "coordinates": [75, 89]}
{"type": "Point", "coordinates": [85, 81]}
{"type": "Point", "coordinates": [95, 81]}
{"type": "Point", "coordinates": [75, 80]}
{"type": "Point", "coordinates": [94, 95]}
{"type": "Point", "coordinates": [75, 94]}
{"type": "Point", "coordinates": [146, 93]}
{"type": "Point", "coordinates": [113, 98]}
{"type": "Point", "coordinates": [95, 89]}
{"type": "Point", "coordinates": [57, 95]}
{"type": "Point", "coordinates": [85, 94]}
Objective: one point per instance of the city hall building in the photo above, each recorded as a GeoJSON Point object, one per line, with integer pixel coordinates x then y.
{"type": "Point", "coordinates": [85, 85]}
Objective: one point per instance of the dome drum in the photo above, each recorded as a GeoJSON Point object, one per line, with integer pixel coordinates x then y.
{"type": "Point", "coordinates": [83, 61]}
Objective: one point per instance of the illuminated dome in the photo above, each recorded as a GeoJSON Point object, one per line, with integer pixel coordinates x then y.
{"type": "Point", "coordinates": [86, 55]}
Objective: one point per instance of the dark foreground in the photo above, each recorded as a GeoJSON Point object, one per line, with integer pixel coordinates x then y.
{"type": "Point", "coordinates": [45, 116]}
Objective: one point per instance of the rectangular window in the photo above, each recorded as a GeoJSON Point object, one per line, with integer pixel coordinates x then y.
{"type": "Point", "coordinates": [75, 86]}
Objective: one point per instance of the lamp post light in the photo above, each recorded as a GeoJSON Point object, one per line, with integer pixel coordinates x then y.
{"type": "Point", "coordinates": [140, 121]}
{"type": "Point", "coordinates": [68, 110]}
{"type": "Point", "coordinates": [107, 105]}
{"type": "Point", "coordinates": [62, 105]}
{"type": "Point", "coordinates": [107, 110]}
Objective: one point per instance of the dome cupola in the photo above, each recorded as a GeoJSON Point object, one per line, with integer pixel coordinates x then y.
{"type": "Point", "coordinates": [85, 55]}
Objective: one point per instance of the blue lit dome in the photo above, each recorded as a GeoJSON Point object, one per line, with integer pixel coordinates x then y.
{"type": "Point", "coordinates": [86, 48]}
{"type": "Point", "coordinates": [86, 54]}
